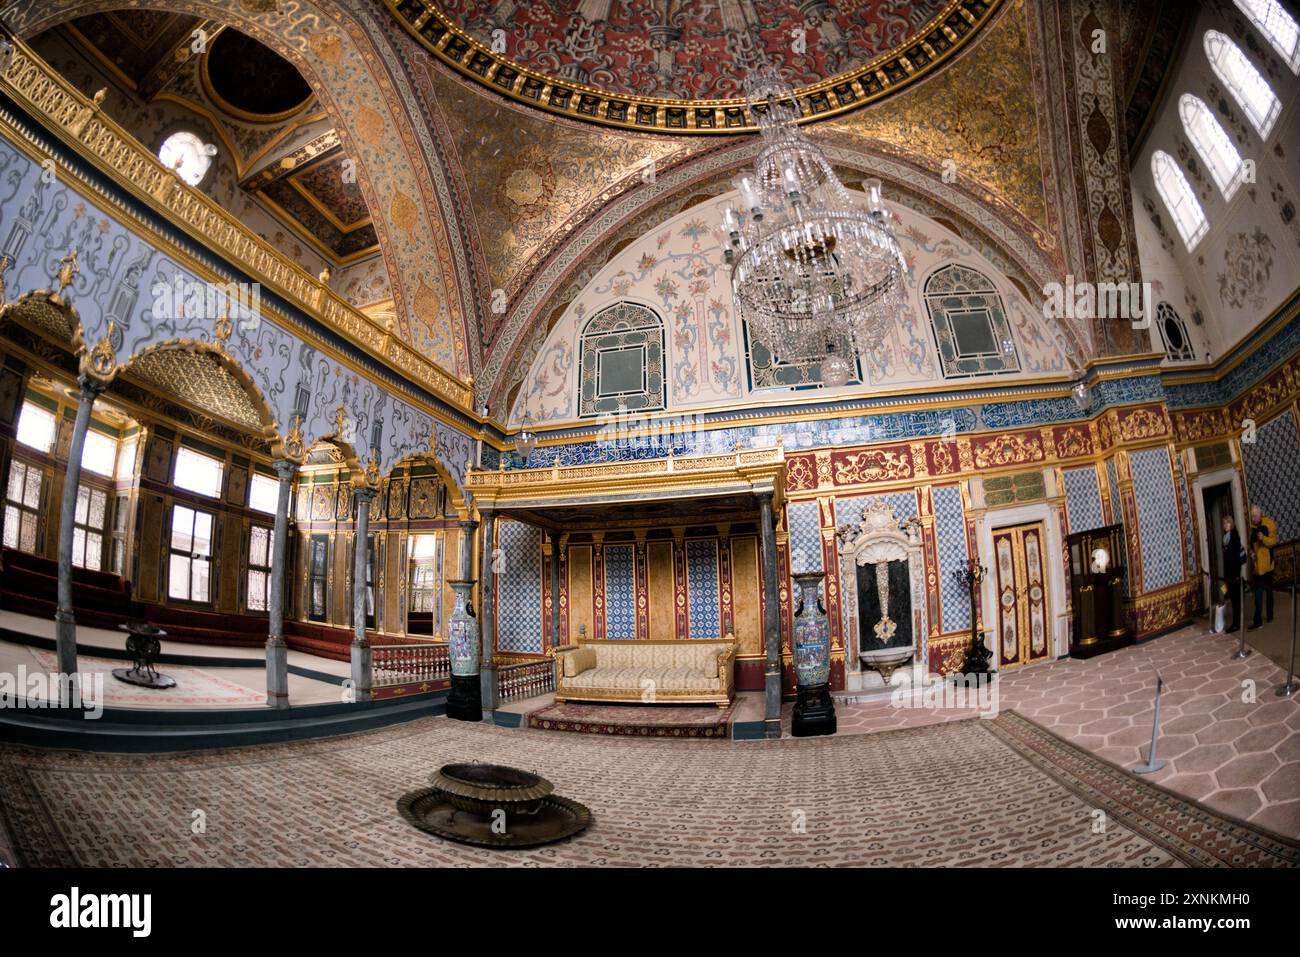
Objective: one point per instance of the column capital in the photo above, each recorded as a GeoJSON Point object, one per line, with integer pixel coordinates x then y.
{"type": "Point", "coordinates": [468, 524]}
{"type": "Point", "coordinates": [363, 494]}
{"type": "Point", "coordinates": [285, 468]}
{"type": "Point", "coordinates": [90, 388]}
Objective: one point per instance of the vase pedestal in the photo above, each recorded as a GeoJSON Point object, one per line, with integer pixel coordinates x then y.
{"type": "Point", "coordinates": [465, 699]}
{"type": "Point", "coordinates": [814, 712]}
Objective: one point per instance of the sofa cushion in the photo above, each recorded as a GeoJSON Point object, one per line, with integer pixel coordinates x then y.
{"type": "Point", "coordinates": [576, 662]}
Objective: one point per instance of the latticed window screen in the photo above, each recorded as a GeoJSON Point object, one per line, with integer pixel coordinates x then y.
{"type": "Point", "coordinates": [969, 323]}
{"type": "Point", "coordinates": [260, 550]}
{"type": "Point", "coordinates": [622, 361]}
{"type": "Point", "coordinates": [88, 528]}
{"type": "Point", "coordinates": [1178, 345]}
{"type": "Point", "coordinates": [22, 505]}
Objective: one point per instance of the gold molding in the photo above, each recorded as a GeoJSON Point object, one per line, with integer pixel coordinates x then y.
{"type": "Point", "coordinates": [79, 122]}
{"type": "Point", "coordinates": [747, 470]}
{"type": "Point", "coordinates": [923, 52]}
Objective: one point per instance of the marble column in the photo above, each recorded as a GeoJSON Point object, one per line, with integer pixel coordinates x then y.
{"type": "Point", "coordinates": [66, 641]}
{"type": "Point", "coordinates": [771, 619]}
{"type": "Point", "coordinates": [362, 674]}
{"type": "Point", "coordinates": [277, 656]}
{"type": "Point", "coordinates": [467, 528]}
{"type": "Point", "coordinates": [556, 641]}
{"type": "Point", "coordinates": [488, 671]}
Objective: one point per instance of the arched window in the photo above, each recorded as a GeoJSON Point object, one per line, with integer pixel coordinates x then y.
{"type": "Point", "coordinates": [188, 155]}
{"type": "Point", "coordinates": [1173, 332]}
{"type": "Point", "coordinates": [1212, 143]}
{"type": "Point", "coordinates": [622, 361]}
{"type": "Point", "coordinates": [969, 323]}
{"type": "Point", "coordinates": [1179, 199]}
{"type": "Point", "coordinates": [1279, 26]}
{"type": "Point", "coordinates": [1248, 88]}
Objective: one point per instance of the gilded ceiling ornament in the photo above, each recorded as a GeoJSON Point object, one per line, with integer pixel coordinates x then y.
{"type": "Point", "coordinates": [100, 361]}
{"type": "Point", "coordinates": [68, 271]}
{"type": "Point", "coordinates": [293, 445]}
{"type": "Point", "coordinates": [340, 420]}
{"type": "Point", "coordinates": [370, 125]}
{"type": "Point", "coordinates": [327, 46]}
{"type": "Point", "coordinates": [222, 327]}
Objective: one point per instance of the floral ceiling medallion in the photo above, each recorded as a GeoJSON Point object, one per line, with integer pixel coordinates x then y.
{"type": "Point", "coordinates": [673, 67]}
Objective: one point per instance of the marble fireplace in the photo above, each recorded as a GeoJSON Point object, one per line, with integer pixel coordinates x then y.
{"type": "Point", "coordinates": [881, 574]}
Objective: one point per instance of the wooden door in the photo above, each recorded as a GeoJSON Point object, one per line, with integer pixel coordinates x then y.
{"type": "Point", "coordinates": [1024, 615]}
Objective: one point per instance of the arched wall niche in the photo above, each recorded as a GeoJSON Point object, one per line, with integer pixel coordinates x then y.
{"type": "Point", "coordinates": [676, 269]}
{"type": "Point", "coordinates": [348, 69]}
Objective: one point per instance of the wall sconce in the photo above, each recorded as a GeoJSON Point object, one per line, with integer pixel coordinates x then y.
{"type": "Point", "coordinates": [1082, 396]}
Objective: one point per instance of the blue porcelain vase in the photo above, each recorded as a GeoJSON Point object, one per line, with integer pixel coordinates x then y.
{"type": "Point", "coordinates": [463, 643]}
{"type": "Point", "coordinates": [812, 637]}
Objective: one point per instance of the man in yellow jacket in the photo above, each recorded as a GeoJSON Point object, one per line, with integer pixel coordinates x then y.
{"type": "Point", "coordinates": [1263, 536]}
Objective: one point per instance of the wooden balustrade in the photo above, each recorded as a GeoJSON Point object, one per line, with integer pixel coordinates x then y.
{"type": "Point", "coordinates": [406, 664]}
{"type": "Point", "coordinates": [525, 679]}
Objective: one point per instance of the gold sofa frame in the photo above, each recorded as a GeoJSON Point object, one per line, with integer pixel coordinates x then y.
{"type": "Point", "coordinates": [726, 674]}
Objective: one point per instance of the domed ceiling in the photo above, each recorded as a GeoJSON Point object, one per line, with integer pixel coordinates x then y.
{"type": "Point", "coordinates": [679, 65]}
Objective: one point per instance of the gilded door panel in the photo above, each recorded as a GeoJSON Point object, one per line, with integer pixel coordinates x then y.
{"type": "Point", "coordinates": [1024, 615]}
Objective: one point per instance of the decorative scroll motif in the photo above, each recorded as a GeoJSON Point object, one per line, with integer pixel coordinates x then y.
{"type": "Point", "coordinates": [1141, 423]}
{"type": "Point", "coordinates": [1072, 441]}
{"type": "Point", "coordinates": [1010, 449]}
{"type": "Point", "coordinates": [872, 465]}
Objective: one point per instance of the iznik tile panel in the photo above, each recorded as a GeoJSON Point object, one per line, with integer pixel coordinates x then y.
{"type": "Point", "coordinates": [519, 601]}
{"type": "Point", "coordinates": [620, 592]}
{"type": "Point", "coordinates": [1273, 473]}
{"type": "Point", "coordinates": [950, 542]}
{"type": "Point", "coordinates": [1153, 490]}
{"type": "Point", "coordinates": [805, 537]}
{"type": "Point", "coordinates": [1083, 499]}
{"type": "Point", "coordinates": [702, 588]}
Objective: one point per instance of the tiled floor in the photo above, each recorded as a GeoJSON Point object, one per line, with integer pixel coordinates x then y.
{"type": "Point", "coordinates": [1230, 742]}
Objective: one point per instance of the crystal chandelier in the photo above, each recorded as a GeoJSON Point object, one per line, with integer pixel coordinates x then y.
{"type": "Point", "coordinates": [813, 273]}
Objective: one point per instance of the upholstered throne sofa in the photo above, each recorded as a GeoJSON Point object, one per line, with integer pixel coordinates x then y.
{"type": "Point", "coordinates": [647, 672]}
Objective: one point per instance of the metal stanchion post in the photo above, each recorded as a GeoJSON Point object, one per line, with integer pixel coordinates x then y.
{"type": "Point", "coordinates": [1242, 651]}
{"type": "Point", "coordinates": [1152, 765]}
{"type": "Point", "coordinates": [1290, 688]}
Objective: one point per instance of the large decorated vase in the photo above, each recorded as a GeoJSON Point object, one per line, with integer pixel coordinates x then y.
{"type": "Point", "coordinates": [465, 698]}
{"type": "Point", "coordinates": [462, 633]}
{"type": "Point", "coordinates": [812, 637]}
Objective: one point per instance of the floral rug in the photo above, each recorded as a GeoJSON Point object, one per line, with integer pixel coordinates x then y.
{"type": "Point", "coordinates": [195, 687]}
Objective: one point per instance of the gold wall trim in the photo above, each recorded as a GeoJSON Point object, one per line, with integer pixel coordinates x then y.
{"type": "Point", "coordinates": [756, 470]}
{"type": "Point", "coordinates": [923, 52]}
{"type": "Point", "coordinates": [80, 123]}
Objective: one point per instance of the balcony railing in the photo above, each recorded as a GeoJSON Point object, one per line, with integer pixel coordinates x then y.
{"type": "Point", "coordinates": [525, 679]}
{"type": "Point", "coordinates": [393, 665]}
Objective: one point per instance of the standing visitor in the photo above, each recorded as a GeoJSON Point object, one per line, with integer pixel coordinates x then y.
{"type": "Point", "coordinates": [1233, 556]}
{"type": "Point", "coordinates": [1263, 536]}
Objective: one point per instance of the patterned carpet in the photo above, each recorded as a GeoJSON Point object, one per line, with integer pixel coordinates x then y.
{"type": "Point", "coordinates": [195, 687]}
{"type": "Point", "coordinates": [977, 792]}
{"type": "Point", "coordinates": [650, 721]}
